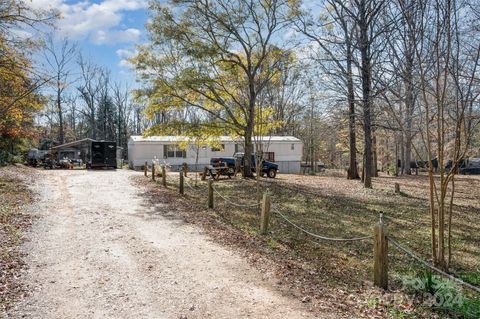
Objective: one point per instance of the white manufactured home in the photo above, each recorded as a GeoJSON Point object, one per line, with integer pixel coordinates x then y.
{"type": "Point", "coordinates": [286, 151]}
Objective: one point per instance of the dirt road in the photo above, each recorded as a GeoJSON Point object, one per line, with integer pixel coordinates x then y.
{"type": "Point", "coordinates": [97, 250]}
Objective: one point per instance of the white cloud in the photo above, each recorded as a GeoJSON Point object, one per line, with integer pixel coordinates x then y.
{"type": "Point", "coordinates": [123, 36]}
{"type": "Point", "coordinates": [124, 64]}
{"type": "Point", "coordinates": [96, 21]}
{"type": "Point", "coordinates": [124, 55]}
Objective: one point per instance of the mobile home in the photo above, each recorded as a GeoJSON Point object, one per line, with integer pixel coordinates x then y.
{"type": "Point", "coordinates": [286, 151]}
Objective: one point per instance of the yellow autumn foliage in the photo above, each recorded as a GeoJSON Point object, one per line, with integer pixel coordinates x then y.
{"type": "Point", "coordinates": [18, 100]}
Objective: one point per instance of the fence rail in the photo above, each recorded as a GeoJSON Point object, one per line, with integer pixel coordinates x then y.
{"type": "Point", "coordinates": [190, 185]}
{"type": "Point", "coordinates": [430, 266]}
{"type": "Point", "coordinates": [316, 235]}
{"type": "Point", "coordinates": [226, 199]}
{"type": "Point", "coordinates": [380, 239]}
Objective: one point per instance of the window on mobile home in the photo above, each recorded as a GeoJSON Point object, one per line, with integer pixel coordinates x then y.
{"type": "Point", "coordinates": [269, 156]}
{"type": "Point", "coordinates": [172, 150]}
{"type": "Point", "coordinates": [180, 153]}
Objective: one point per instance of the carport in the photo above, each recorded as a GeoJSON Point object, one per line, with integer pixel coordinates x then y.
{"type": "Point", "coordinates": [74, 150]}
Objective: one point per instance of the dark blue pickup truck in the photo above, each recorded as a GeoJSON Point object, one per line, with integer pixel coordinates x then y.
{"type": "Point", "coordinates": [237, 161]}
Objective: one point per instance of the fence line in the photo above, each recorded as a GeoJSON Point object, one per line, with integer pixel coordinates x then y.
{"type": "Point", "coordinates": [170, 178]}
{"type": "Point", "coordinates": [189, 185]}
{"type": "Point", "coordinates": [232, 203]}
{"type": "Point", "coordinates": [282, 216]}
{"type": "Point", "coordinates": [394, 242]}
{"type": "Point", "coordinates": [426, 264]}
{"type": "Point", "coordinates": [316, 235]}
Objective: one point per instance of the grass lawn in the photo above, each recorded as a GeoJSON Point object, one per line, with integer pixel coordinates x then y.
{"type": "Point", "coordinates": [332, 206]}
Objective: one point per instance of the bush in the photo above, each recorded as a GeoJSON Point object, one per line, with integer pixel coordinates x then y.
{"type": "Point", "coordinates": [14, 150]}
{"type": "Point", "coordinates": [390, 169]}
{"type": "Point", "coordinates": [5, 157]}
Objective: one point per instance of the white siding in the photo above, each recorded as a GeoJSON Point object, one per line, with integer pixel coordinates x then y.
{"type": "Point", "coordinates": [144, 150]}
{"type": "Point", "coordinates": [289, 167]}
{"type": "Point", "coordinates": [283, 151]}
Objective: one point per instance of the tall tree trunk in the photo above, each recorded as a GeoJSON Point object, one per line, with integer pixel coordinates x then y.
{"type": "Point", "coordinates": [403, 165]}
{"type": "Point", "coordinates": [247, 159]}
{"type": "Point", "coordinates": [408, 138]}
{"type": "Point", "coordinates": [352, 169]}
{"type": "Point", "coordinates": [374, 153]}
{"type": "Point", "coordinates": [396, 154]}
{"type": "Point", "coordinates": [409, 106]}
{"type": "Point", "coordinates": [366, 87]}
{"type": "Point", "coordinates": [408, 15]}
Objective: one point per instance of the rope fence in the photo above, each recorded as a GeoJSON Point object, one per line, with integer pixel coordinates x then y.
{"type": "Point", "coordinates": [379, 236]}
{"type": "Point", "coordinates": [190, 185]}
{"type": "Point", "coordinates": [233, 203]}
{"type": "Point", "coordinates": [430, 266]}
{"type": "Point", "coordinates": [316, 235]}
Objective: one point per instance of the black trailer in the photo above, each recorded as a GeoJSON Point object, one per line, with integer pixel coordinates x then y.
{"type": "Point", "coordinates": [103, 154]}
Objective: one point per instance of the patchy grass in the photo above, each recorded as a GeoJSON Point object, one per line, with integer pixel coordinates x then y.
{"type": "Point", "coordinates": [14, 195]}
{"type": "Point", "coordinates": [333, 206]}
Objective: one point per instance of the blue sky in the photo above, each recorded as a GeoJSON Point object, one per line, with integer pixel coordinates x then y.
{"type": "Point", "coordinates": [106, 30]}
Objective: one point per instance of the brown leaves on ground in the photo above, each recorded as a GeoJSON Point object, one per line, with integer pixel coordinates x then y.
{"type": "Point", "coordinates": [323, 276]}
{"type": "Point", "coordinates": [14, 220]}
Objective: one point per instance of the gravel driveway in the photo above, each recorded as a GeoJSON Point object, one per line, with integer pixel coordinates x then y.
{"type": "Point", "coordinates": [97, 251]}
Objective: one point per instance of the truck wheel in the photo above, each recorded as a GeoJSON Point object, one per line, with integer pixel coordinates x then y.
{"type": "Point", "coordinates": [272, 173]}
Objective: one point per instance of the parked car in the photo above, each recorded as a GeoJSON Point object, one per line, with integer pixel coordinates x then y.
{"type": "Point", "coordinates": [237, 162]}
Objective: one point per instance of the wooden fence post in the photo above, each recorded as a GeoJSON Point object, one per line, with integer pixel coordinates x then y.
{"type": "Point", "coordinates": [164, 176]}
{"type": "Point", "coordinates": [153, 171]}
{"type": "Point", "coordinates": [185, 169]}
{"type": "Point", "coordinates": [380, 252]}
{"type": "Point", "coordinates": [397, 188]}
{"type": "Point", "coordinates": [265, 214]}
{"type": "Point", "coordinates": [180, 188]}
{"type": "Point", "coordinates": [210, 193]}
{"type": "Point", "coordinates": [205, 170]}
{"type": "Point", "coordinates": [145, 169]}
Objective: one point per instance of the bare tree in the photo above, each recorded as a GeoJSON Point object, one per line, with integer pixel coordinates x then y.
{"type": "Point", "coordinates": [334, 34]}
{"type": "Point", "coordinates": [124, 108]}
{"type": "Point", "coordinates": [59, 58]}
{"type": "Point", "coordinates": [448, 68]}
{"type": "Point", "coordinates": [285, 94]}
{"type": "Point", "coordinates": [89, 89]}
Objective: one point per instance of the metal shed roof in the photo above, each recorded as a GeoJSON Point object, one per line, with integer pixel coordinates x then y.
{"type": "Point", "coordinates": [74, 143]}
{"type": "Point", "coordinates": [77, 143]}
